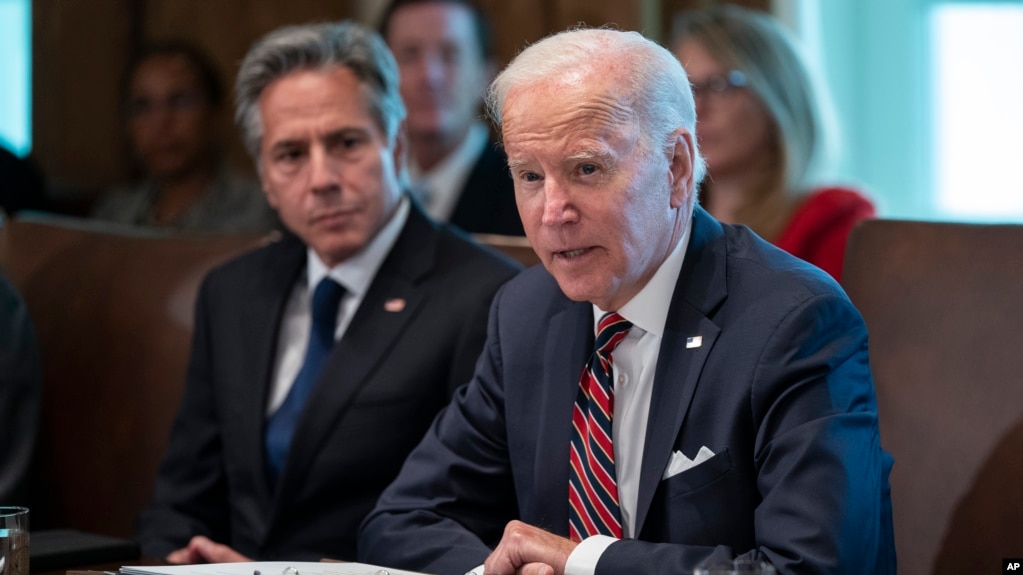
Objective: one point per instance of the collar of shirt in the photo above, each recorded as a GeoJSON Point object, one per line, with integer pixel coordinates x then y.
{"type": "Point", "coordinates": [356, 273]}
{"type": "Point", "coordinates": [444, 183]}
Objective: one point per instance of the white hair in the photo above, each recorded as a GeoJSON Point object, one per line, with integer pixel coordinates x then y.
{"type": "Point", "coordinates": [657, 90]}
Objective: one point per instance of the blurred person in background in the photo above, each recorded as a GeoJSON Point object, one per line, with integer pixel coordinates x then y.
{"type": "Point", "coordinates": [172, 101]}
{"type": "Point", "coordinates": [446, 58]}
{"type": "Point", "coordinates": [764, 131]}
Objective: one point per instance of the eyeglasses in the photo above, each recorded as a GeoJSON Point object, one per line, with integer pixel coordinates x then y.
{"type": "Point", "coordinates": [719, 84]}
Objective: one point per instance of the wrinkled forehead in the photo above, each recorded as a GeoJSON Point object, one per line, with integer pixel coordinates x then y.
{"type": "Point", "coordinates": [570, 104]}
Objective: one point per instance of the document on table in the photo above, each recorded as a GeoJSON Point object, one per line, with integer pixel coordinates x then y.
{"type": "Point", "coordinates": [266, 568]}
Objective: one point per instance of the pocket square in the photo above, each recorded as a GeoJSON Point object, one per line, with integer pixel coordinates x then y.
{"type": "Point", "coordinates": [679, 462]}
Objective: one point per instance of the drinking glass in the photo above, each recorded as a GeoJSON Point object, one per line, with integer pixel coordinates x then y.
{"type": "Point", "coordinates": [13, 541]}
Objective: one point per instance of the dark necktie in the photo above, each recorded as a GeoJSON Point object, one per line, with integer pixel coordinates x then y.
{"type": "Point", "coordinates": [281, 426]}
{"type": "Point", "coordinates": [593, 485]}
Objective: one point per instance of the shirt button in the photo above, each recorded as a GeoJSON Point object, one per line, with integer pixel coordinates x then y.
{"type": "Point", "coordinates": [622, 379]}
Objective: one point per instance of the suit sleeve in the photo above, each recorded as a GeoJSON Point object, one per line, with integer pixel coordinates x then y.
{"type": "Point", "coordinates": [190, 494]}
{"type": "Point", "coordinates": [454, 495]}
{"type": "Point", "coordinates": [821, 475]}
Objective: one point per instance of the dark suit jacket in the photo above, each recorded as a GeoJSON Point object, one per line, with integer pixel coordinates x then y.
{"type": "Point", "coordinates": [383, 383]}
{"type": "Point", "coordinates": [780, 390]}
{"type": "Point", "coordinates": [487, 202]}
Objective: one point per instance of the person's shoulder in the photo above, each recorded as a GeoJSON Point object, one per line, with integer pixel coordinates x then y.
{"type": "Point", "coordinates": [266, 256]}
{"type": "Point", "coordinates": [764, 270]}
{"type": "Point", "coordinates": [121, 204]}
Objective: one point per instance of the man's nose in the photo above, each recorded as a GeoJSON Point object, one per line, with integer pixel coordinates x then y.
{"type": "Point", "coordinates": [324, 171]}
{"type": "Point", "coordinates": [434, 68]}
{"type": "Point", "coordinates": [558, 208]}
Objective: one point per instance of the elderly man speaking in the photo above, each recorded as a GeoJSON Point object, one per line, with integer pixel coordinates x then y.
{"type": "Point", "coordinates": [665, 390]}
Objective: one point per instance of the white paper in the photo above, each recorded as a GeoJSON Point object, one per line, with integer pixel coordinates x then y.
{"type": "Point", "coordinates": [265, 568]}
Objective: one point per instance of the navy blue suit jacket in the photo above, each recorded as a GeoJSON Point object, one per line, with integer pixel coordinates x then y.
{"type": "Point", "coordinates": [780, 390]}
{"type": "Point", "coordinates": [381, 386]}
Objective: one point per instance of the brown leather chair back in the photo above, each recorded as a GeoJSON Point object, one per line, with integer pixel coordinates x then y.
{"type": "Point", "coordinates": [113, 313]}
{"type": "Point", "coordinates": [516, 247]}
{"type": "Point", "coordinates": [943, 304]}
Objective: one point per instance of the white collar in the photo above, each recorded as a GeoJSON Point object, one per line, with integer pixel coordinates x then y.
{"type": "Point", "coordinates": [357, 272]}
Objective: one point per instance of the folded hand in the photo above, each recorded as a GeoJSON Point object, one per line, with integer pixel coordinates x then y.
{"type": "Point", "coordinates": [528, 550]}
{"type": "Point", "coordinates": [202, 550]}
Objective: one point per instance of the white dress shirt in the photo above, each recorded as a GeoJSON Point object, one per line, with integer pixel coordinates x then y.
{"type": "Point", "coordinates": [355, 274]}
{"type": "Point", "coordinates": [440, 188]}
{"type": "Point", "coordinates": [635, 360]}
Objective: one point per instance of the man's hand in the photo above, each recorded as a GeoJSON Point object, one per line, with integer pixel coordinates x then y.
{"type": "Point", "coordinates": [201, 550]}
{"type": "Point", "coordinates": [528, 550]}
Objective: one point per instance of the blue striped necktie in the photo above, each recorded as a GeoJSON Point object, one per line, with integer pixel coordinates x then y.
{"type": "Point", "coordinates": [593, 485]}
{"type": "Point", "coordinates": [281, 426]}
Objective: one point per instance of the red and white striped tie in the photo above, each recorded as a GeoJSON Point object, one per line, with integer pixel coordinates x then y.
{"type": "Point", "coordinates": [593, 485]}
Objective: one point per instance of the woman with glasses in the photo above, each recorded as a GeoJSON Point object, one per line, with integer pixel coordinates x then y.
{"type": "Point", "coordinates": [763, 130]}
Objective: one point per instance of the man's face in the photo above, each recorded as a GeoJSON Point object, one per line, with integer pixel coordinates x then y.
{"type": "Point", "coordinates": [326, 166]}
{"type": "Point", "coordinates": [170, 120]}
{"type": "Point", "coordinates": [599, 207]}
{"type": "Point", "coordinates": [443, 73]}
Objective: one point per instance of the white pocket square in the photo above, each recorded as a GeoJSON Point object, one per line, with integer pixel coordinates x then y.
{"type": "Point", "coordinates": [679, 462]}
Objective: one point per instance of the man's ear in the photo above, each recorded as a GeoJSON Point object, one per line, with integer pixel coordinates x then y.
{"type": "Point", "coordinates": [681, 168]}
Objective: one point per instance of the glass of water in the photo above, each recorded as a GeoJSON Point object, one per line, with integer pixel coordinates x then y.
{"type": "Point", "coordinates": [13, 541]}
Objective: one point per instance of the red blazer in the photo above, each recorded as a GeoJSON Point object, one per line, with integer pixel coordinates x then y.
{"type": "Point", "coordinates": [820, 227]}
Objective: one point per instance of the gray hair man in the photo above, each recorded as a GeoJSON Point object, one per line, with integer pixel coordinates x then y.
{"type": "Point", "coordinates": [319, 360]}
{"type": "Point", "coordinates": [665, 390]}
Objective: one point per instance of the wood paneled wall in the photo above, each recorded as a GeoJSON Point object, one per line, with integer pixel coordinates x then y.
{"type": "Point", "coordinates": [81, 47]}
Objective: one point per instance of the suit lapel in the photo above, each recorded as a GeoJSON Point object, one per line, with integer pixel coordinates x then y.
{"type": "Point", "coordinates": [569, 342]}
{"type": "Point", "coordinates": [366, 342]}
{"type": "Point", "coordinates": [264, 300]}
{"type": "Point", "coordinates": [700, 289]}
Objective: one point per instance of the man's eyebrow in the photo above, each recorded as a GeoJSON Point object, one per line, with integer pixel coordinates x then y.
{"type": "Point", "coordinates": [515, 164]}
{"type": "Point", "coordinates": [346, 131]}
{"type": "Point", "coordinates": [288, 143]}
{"type": "Point", "coordinates": [590, 154]}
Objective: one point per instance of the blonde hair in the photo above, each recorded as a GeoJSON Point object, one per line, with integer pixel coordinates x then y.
{"type": "Point", "coordinates": [756, 44]}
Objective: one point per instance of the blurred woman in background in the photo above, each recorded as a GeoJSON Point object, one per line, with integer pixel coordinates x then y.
{"type": "Point", "coordinates": [763, 130]}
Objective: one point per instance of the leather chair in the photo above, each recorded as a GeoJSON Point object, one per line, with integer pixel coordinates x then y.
{"type": "Point", "coordinates": [943, 304]}
{"type": "Point", "coordinates": [516, 247]}
{"type": "Point", "coordinates": [112, 308]}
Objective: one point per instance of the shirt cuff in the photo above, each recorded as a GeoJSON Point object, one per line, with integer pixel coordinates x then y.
{"type": "Point", "coordinates": [583, 559]}
{"type": "Point", "coordinates": [476, 571]}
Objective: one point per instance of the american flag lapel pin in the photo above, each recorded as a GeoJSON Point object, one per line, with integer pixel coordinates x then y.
{"type": "Point", "coordinates": [694, 341]}
{"type": "Point", "coordinates": [394, 304]}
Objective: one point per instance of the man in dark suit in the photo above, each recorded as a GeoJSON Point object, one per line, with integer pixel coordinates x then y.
{"type": "Point", "coordinates": [285, 439]}
{"type": "Point", "coordinates": [736, 416]}
{"type": "Point", "coordinates": [446, 56]}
